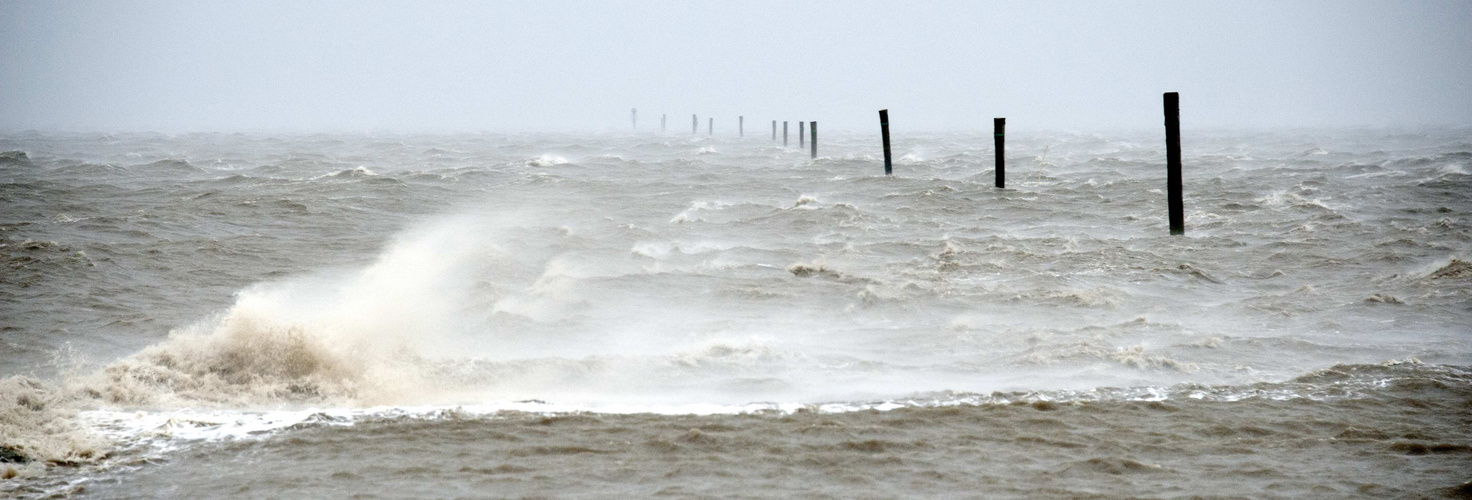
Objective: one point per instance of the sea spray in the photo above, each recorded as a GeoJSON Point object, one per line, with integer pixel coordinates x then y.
{"type": "Point", "coordinates": [346, 337]}
{"type": "Point", "coordinates": [350, 339]}
{"type": "Point", "coordinates": [37, 426]}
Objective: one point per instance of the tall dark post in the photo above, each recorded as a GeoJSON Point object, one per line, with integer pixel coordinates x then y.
{"type": "Point", "coordinates": [1173, 162]}
{"type": "Point", "coordinates": [634, 119]}
{"type": "Point", "coordinates": [813, 140]}
{"type": "Point", "coordinates": [710, 127]}
{"type": "Point", "coordinates": [801, 136]}
{"type": "Point", "coordinates": [694, 125]}
{"type": "Point", "coordinates": [774, 130]}
{"type": "Point", "coordinates": [741, 126]}
{"type": "Point", "coordinates": [661, 123]}
{"type": "Point", "coordinates": [999, 137]}
{"type": "Point", "coordinates": [784, 134]}
{"type": "Point", "coordinates": [884, 129]}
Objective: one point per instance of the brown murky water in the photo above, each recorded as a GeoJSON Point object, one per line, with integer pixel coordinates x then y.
{"type": "Point", "coordinates": [493, 316]}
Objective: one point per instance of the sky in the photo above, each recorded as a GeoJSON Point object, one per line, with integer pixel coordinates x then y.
{"type": "Point", "coordinates": [365, 66]}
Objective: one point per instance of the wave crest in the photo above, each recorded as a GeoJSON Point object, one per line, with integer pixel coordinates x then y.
{"type": "Point", "coordinates": [245, 360]}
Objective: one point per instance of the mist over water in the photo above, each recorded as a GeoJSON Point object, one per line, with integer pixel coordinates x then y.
{"type": "Point", "coordinates": [172, 293]}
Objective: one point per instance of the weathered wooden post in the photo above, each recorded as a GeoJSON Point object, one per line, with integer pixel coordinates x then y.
{"type": "Point", "coordinates": [741, 126]}
{"type": "Point", "coordinates": [784, 134]}
{"type": "Point", "coordinates": [801, 137]}
{"type": "Point", "coordinates": [710, 127]}
{"type": "Point", "coordinates": [1173, 162]}
{"type": "Point", "coordinates": [634, 119]}
{"type": "Point", "coordinates": [999, 137]}
{"type": "Point", "coordinates": [814, 139]}
{"type": "Point", "coordinates": [694, 125]}
{"type": "Point", "coordinates": [774, 130]}
{"type": "Point", "coordinates": [884, 130]}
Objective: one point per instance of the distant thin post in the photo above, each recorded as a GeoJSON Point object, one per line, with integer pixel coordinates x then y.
{"type": "Point", "coordinates": [634, 119]}
{"type": "Point", "coordinates": [884, 130]}
{"type": "Point", "coordinates": [814, 139]}
{"type": "Point", "coordinates": [710, 127]}
{"type": "Point", "coordinates": [1173, 162]}
{"type": "Point", "coordinates": [801, 136]}
{"type": "Point", "coordinates": [784, 134]}
{"type": "Point", "coordinates": [694, 125]}
{"type": "Point", "coordinates": [661, 123]}
{"type": "Point", "coordinates": [774, 130]}
{"type": "Point", "coordinates": [999, 137]}
{"type": "Point", "coordinates": [741, 126]}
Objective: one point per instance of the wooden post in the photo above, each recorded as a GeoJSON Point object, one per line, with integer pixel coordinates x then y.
{"type": "Point", "coordinates": [999, 137]}
{"type": "Point", "coordinates": [813, 140]}
{"type": "Point", "coordinates": [694, 125]}
{"type": "Point", "coordinates": [741, 126]}
{"type": "Point", "coordinates": [774, 130]}
{"type": "Point", "coordinates": [884, 130]}
{"type": "Point", "coordinates": [661, 123]}
{"type": "Point", "coordinates": [784, 134]}
{"type": "Point", "coordinates": [634, 119]}
{"type": "Point", "coordinates": [801, 136]}
{"type": "Point", "coordinates": [710, 127]}
{"type": "Point", "coordinates": [1173, 162]}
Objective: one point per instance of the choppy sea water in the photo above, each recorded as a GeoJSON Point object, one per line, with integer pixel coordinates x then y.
{"type": "Point", "coordinates": [626, 315]}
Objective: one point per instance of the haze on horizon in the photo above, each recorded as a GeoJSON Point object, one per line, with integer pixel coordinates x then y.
{"type": "Point", "coordinates": [563, 66]}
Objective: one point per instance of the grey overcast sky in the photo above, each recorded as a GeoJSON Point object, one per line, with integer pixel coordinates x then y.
{"type": "Point", "coordinates": [559, 65]}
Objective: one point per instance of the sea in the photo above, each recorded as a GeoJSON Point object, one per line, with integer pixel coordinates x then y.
{"type": "Point", "coordinates": [638, 315]}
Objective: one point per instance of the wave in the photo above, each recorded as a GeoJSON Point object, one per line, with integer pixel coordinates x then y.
{"type": "Point", "coordinates": [170, 167]}
{"type": "Point", "coordinates": [546, 160]}
{"type": "Point", "coordinates": [14, 157]}
{"type": "Point", "coordinates": [1132, 356]}
{"type": "Point", "coordinates": [1456, 269]}
{"type": "Point", "coordinates": [358, 172]}
{"type": "Point", "coordinates": [90, 170]}
{"type": "Point", "coordinates": [44, 425]}
{"type": "Point", "coordinates": [37, 424]}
